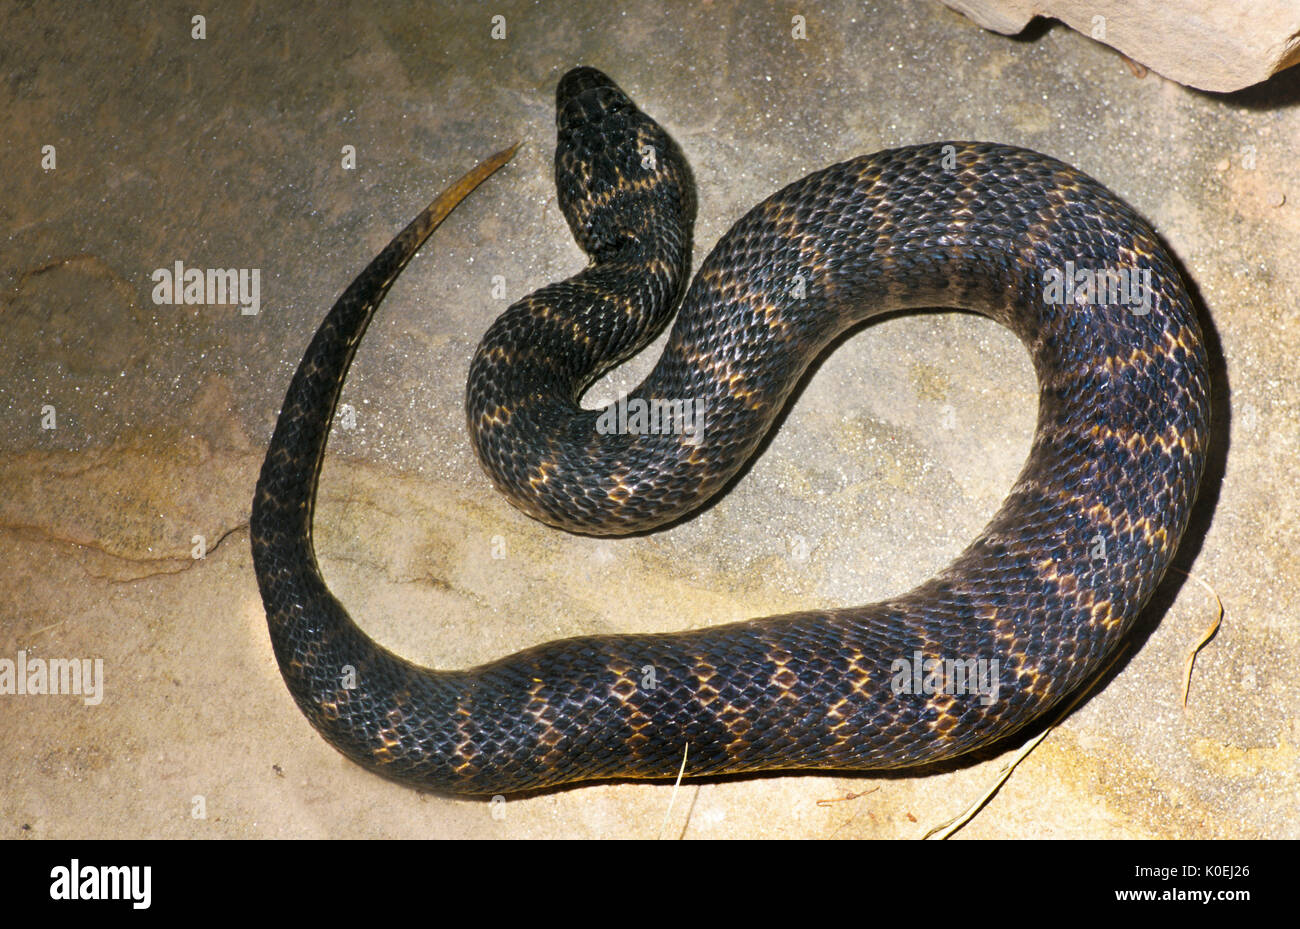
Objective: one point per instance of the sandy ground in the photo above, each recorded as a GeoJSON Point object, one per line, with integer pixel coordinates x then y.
{"type": "Point", "coordinates": [226, 152]}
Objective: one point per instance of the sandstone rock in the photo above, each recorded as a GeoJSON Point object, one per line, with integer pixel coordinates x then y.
{"type": "Point", "coordinates": [1219, 45]}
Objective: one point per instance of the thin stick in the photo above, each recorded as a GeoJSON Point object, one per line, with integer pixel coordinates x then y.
{"type": "Point", "coordinates": [1205, 639]}
{"type": "Point", "coordinates": [943, 830]}
{"type": "Point", "coordinates": [673, 796]}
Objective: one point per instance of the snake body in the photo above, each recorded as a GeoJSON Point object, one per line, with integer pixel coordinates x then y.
{"type": "Point", "coordinates": [1049, 588]}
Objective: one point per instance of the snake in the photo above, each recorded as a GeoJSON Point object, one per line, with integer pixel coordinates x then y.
{"type": "Point", "coordinates": [1038, 603]}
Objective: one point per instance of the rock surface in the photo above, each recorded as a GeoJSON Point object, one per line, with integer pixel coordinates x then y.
{"type": "Point", "coordinates": [1206, 44]}
{"type": "Point", "coordinates": [892, 457]}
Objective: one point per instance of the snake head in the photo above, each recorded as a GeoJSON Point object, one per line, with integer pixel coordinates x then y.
{"type": "Point", "coordinates": [621, 178]}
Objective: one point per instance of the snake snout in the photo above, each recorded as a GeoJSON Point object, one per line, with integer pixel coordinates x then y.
{"type": "Point", "coordinates": [586, 95]}
{"type": "Point", "coordinates": [578, 79]}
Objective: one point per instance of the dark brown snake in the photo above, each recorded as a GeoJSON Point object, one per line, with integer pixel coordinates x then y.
{"type": "Point", "coordinates": [1048, 589]}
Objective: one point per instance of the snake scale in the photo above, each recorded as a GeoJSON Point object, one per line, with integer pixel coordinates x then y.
{"type": "Point", "coordinates": [1048, 589]}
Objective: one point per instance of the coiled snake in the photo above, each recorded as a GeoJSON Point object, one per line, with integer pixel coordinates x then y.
{"type": "Point", "coordinates": [1047, 591]}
